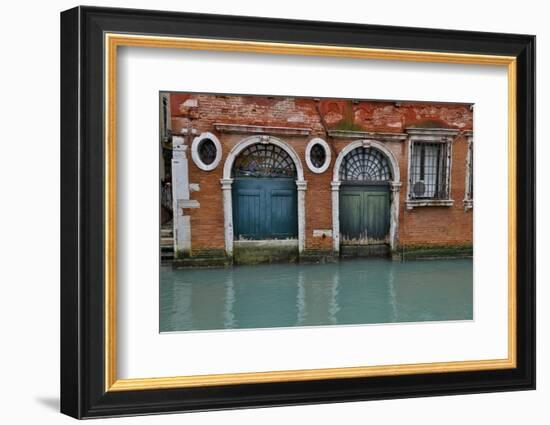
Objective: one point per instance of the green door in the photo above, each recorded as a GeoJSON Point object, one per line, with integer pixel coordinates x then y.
{"type": "Point", "coordinates": [364, 214]}
{"type": "Point", "coordinates": [265, 208]}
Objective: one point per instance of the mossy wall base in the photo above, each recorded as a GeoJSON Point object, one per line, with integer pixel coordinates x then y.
{"type": "Point", "coordinates": [361, 251]}
{"type": "Point", "coordinates": [202, 259]}
{"type": "Point", "coordinates": [259, 252]}
{"type": "Point", "coordinates": [428, 252]}
{"type": "Point", "coordinates": [286, 251]}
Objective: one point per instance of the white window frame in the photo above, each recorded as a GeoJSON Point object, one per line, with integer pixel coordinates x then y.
{"type": "Point", "coordinates": [430, 135]}
{"type": "Point", "coordinates": [195, 151]}
{"type": "Point", "coordinates": [468, 199]}
{"type": "Point", "coordinates": [328, 156]}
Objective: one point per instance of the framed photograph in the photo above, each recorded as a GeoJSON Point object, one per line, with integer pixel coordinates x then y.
{"type": "Point", "coordinates": [261, 212]}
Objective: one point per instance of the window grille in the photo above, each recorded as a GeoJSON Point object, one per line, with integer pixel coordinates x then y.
{"type": "Point", "coordinates": [365, 164]}
{"type": "Point", "coordinates": [264, 160]}
{"type": "Point", "coordinates": [429, 170]}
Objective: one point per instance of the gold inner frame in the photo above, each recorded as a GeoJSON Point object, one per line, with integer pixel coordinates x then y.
{"type": "Point", "coordinates": [113, 41]}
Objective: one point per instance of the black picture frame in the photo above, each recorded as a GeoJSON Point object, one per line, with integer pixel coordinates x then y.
{"type": "Point", "coordinates": [83, 392]}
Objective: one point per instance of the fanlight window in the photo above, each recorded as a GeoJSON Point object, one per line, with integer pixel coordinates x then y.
{"type": "Point", "coordinates": [365, 164]}
{"type": "Point", "coordinates": [264, 160]}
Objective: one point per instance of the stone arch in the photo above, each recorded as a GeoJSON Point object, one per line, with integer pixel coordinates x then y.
{"type": "Point", "coordinates": [395, 185]}
{"type": "Point", "coordinates": [227, 182]}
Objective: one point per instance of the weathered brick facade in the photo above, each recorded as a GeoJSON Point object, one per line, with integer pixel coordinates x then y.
{"type": "Point", "coordinates": [339, 123]}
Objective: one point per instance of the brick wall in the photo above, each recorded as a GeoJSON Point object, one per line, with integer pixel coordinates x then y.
{"type": "Point", "coordinates": [440, 225]}
{"type": "Point", "coordinates": [420, 226]}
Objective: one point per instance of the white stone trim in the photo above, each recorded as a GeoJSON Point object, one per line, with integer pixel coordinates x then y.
{"type": "Point", "coordinates": [261, 129]}
{"type": "Point", "coordinates": [468, 201]}
{"type": "Point", "coordinates": [195, 151]}
{"type": "Point", "coordinates": [335, 215]}
{"type": "Point", "coordinates": [395, 186]}
{"type": "Point", "coordinates": [368, 135]}
{"type": "Point", "coordinates": [227, 215]}
{"type": "Point", "coordinates": [180, 197]}
{"type": "Point", "coordinates": [271, 242]}
{"type": "Point", "coordinates": [435, 133]}
{"type": "Point", "coordinates": [414, 203]}
{"type": "Point", "coordinates": [301, 187]}
{"type": "Point", "coordinates": [328, 155]}
{"type": "Point", "coordinates": [227, 183]}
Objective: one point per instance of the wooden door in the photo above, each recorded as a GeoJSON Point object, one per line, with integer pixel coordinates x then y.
{"type": "Point", "coordinates": [265, 208]}
{"type": "Point", "coordinates": [364, 214]}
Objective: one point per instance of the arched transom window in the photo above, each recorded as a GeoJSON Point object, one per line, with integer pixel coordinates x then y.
{"type": "Point", "coordinates": [365, 164]}
{"type": "Point", "coordinates": [264, 160]}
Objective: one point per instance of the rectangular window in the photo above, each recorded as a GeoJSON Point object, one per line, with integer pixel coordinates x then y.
{"type": "Point", "coordinates": [429, 170]}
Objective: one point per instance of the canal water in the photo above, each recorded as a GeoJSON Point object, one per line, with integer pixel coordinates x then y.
{"type": "Point", "coordinates": [286, 295]}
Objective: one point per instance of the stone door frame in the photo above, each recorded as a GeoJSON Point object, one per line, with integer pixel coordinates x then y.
{"type": "Point", "coordinates": [227, 183]}
{"type": "Point", "coordinates": [395, 186]}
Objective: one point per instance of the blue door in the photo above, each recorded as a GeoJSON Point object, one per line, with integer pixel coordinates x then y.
{"type": "Point", "coordinates": [264, 208]}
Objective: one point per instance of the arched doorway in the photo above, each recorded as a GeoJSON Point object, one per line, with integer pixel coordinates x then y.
{"type": "Point", "coordinates": [365, 199]}
{"type": "Point", "coordinates": [284, 152]}
{"type": "Point", "coordinates": [264, 194]}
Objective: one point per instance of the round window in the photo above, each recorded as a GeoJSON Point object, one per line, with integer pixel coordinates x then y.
{"type": "Point", "coordinates": [318, 155]}
{"type": "Point", "coordinates": [206, 151]}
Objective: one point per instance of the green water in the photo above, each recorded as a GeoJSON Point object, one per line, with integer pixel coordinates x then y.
{"type": "Point", "coordinates": [283, 295]}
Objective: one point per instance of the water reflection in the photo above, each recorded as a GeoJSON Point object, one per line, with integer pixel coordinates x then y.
{"type": "Point", "coordinates": [283, 295]}
{"type": "Point", "coordinates": [229, 318]}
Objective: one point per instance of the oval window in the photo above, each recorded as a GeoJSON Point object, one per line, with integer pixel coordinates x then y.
{"type": "Point", "coordinates": [318, 155]}
{"type": "Point", "coordinates": [206, 151]}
